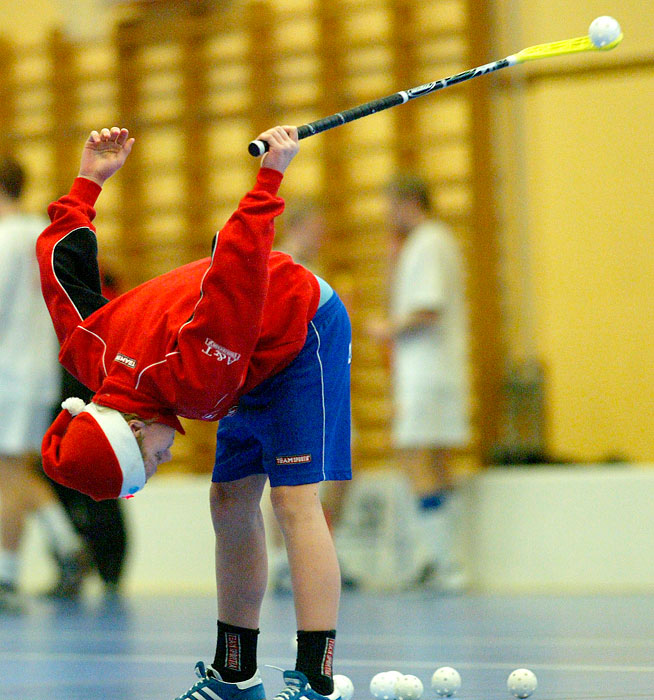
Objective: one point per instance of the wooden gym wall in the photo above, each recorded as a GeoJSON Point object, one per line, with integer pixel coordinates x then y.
{"type": "Point", "coordinates": [195, 87]}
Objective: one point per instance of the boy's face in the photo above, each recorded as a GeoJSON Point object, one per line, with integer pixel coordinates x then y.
{"type": "Point", "coordinates": [157, 439]}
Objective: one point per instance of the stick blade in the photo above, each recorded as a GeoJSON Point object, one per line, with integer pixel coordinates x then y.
{"type": "Point", "coordinates": [562, 48]}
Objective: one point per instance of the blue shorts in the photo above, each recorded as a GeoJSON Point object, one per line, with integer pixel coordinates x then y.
{"type": "Point", "coordinates": [295, 426]}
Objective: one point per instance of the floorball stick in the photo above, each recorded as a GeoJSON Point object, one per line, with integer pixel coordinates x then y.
{"type": "Point", "coordinates": [592, 42]}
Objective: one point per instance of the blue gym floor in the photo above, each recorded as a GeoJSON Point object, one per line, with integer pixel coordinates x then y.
{"type": "Point", "coordinates": [146, 648]}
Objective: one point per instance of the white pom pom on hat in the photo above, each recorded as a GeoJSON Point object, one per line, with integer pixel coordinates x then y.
{"type": "Point", "coordinates": [73, 405]}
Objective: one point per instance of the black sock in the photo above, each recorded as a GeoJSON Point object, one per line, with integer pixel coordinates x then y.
{"type": "Point", "coordinates": [236, 653]}
{"type": "Point", "coordinates": [315, 654]}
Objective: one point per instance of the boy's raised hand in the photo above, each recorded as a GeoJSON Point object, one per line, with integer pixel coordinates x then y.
{"type": "Point", "coordinates": [282, 147]}
{"type": "Point", "coordinates": [104, 153]}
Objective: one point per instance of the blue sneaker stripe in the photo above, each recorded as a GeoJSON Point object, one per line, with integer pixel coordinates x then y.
{"type": "Point", "coordinates": [210, 688]}
{"type": "Point", "coordinates": [203, 694]}
{"type": "Point", "coordinates": [211, 694]}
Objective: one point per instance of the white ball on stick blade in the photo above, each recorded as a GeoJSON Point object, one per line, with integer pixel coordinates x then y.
{"type": "Point", "coordinates": [603, 31]}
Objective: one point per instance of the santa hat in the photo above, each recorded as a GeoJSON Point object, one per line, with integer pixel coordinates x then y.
{"type": "Point", "coordinates": [92, 449]}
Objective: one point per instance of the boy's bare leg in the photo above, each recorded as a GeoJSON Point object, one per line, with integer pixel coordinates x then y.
{"type": "Point", "coordinates": [241, 558]}
{"type": "Point", "coordinates": [312, 557]}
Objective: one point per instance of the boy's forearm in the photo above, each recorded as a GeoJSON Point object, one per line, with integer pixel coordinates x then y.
{"type": "Point", "coordinates": [236, 282]}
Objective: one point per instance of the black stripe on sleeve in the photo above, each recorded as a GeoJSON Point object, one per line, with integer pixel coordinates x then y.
{"type": "Point", "coordinates": [76, 268]}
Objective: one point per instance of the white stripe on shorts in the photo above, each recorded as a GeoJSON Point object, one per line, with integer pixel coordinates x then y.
{"type": "Point", "coordinates": [322, 395]}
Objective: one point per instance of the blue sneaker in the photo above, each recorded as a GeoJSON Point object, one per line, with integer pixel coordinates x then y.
{"type": "Point", "coordinates": [212, 687]}
{"type": "Point", "coordinates": [297, 688]}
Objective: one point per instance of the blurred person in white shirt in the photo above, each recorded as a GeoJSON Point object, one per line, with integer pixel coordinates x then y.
{"type": "Point", "coordinates": [426, 332]}
{"type": "Point", "coordinates": [29, 387]}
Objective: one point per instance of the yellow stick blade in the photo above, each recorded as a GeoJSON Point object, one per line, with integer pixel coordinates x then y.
{"type": "Point", "coordinates": [561, 48]}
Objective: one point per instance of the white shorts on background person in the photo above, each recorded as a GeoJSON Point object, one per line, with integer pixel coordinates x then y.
{"type": "Point", "coordinates": [430, 416]}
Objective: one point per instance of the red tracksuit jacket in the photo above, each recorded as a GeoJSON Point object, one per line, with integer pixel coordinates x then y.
{"type": "Point", "coordinates": [187, 343]}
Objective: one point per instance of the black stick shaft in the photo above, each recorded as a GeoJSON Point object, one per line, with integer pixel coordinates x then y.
{"type": "Point", "coordinates": [258, 147]}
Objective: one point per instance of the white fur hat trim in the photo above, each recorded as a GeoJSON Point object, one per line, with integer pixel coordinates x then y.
{"type": "Point", "coordinates": [122, 440]}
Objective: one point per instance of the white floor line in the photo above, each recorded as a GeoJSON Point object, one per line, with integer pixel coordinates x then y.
{"type": "Point", "coordinates": [342, 663]}
{"type": "Point", "coordinates": [368, 640]}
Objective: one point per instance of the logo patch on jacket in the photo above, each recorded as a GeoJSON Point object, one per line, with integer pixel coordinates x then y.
{"type": "Point", "coordinates": [124, 360]}
{"type": "Point", "coordinates": [293, 459]}
{"type": "Point", "coordinates": [212, 349]}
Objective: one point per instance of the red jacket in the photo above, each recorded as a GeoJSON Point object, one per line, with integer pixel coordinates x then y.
{"type": "Point", "coordinates": [188, 342]}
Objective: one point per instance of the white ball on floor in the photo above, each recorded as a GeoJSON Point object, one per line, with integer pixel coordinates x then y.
{"type": "Point", "coordinates": [344, 686]}
{"type": "Point", "coordinates": [396, 675]}
{"type": "Point", "coordinates": [408, 687]}
{"type": "Point", "coordinates": [446, 681]}
{"type": "Point", "coordinates": [522, 682]}
{"type": "Point", "coordinates": [382, 685]}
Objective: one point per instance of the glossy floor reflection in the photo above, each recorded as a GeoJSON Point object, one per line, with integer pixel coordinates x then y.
{"type": "Point", "coordinates": [146, 648]}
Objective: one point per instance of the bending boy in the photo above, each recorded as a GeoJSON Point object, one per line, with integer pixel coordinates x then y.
{"type": "Point", "coordinates": [247, 337]}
